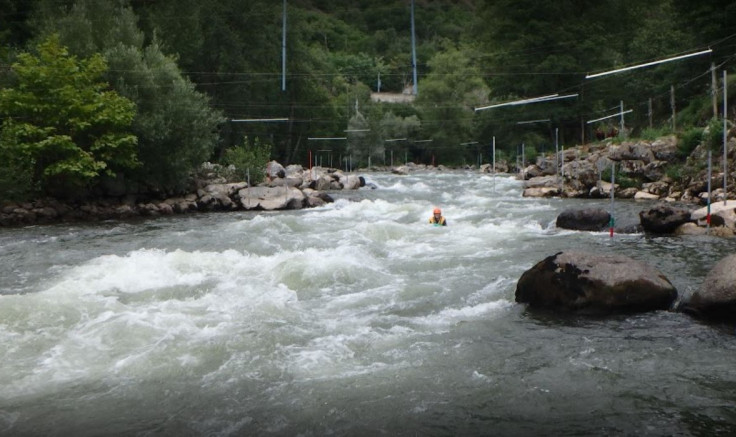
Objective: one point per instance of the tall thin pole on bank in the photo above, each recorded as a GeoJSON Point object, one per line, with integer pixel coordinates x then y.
{"type": "Point", "coordinates": [725, 131]}
{"type": "Point", "coordinates": [557, 152]}
{"type": "Point", "coordinates": [623, 127]}
{"type": "Point", "coordinates": [612, 221]}
{"type": "Point", "coordinates": [494, 163]}
{"type": "Point", "coordinates": [562, 166]}
{"type": "Point", "coordinates": [523, 158]}
{"type": "Point", "coordinates": [413, 50]}
{"type": "Point", "coordinates": [714, 89]}
{"type": "Point", "coordinates": [707, 215]}
{"type": "Point", "coordinates": [283, 50]}
{"type": "Point", "coordinates": [672, 105]}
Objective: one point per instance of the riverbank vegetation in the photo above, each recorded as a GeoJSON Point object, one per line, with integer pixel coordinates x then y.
{"type": "Point", "coordinates": [127, 96]}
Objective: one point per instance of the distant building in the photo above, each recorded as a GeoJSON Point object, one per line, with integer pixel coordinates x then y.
{"type": "Point", "coordinates": [403, 97]}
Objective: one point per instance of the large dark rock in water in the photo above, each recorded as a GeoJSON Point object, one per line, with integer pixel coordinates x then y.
{"type": "Point", "coordinates": [589, 219]}
{"type": "Point", "coordinates": [716, 297]}
{"type": "Point", "coordinates": [663, 219]}
{"type": "Point", "coordinates": [595, 284]}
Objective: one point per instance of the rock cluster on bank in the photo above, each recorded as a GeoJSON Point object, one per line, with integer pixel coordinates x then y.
{"type": "Point", "coordinates": [660, 219]}
{"type": "Point", "coordinates": [578, 172]}
{"type": "Point", "coordinates": [287, 188]}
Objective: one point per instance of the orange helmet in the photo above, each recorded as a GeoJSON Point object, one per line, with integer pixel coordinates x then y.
{"type": "Point", "coordinates": [437, 211]}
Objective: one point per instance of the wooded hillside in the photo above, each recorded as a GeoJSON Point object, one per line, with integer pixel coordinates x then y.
{"type": "Point", "coordinates": [191, 68]}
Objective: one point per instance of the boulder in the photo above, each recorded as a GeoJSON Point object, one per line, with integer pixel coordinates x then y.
{"type": "Point", "coordinates": [216, 197]}
{"type": "Point", "coordinates": [660, 188]}
{"type": "Point", "coordinates": [605, 188]}
{"type": "Point", "coordinates": [716, 297]}
{"type": "Point", "coordinates": [270, 199]}
{"type": "Point", "coordinates": [541, 192]}
{"type": "Point", "coordinates": [322, 183]}
{"type": "Point", "coordinates": [631, 168]}
{"type": "Point", "coordinates": [543, 182]}
{"type": "Point", "coordinates": [589, 219]}
{"type": "Point", "coordinates": [547, 165]}
{"type": "Point", "coordinates": [287, 181]}
{"type": "Point", "coordinates": [663, 219]}
{"type": "Point", "coordinates": [295, 171]}
{"type": "Point", "coordinates": [725, 214]}
{"type": "Point", "coordinates": [626, 193]}
{"type": "Point", "coordinates": [352, 182]}
{"type": "Point", "coordinates": [532, 171]}
{"type": "Point", "coordinates": [275, 170]}
{"type": "Point", "coordinates": [689, 228]}
{"type": "Point", "coordinates": [165, 209]}
{"type": "Point", "coordinates": [581, 174]}
{"type": "Point", "coordinates": [632, 152]}
{"type": "Point", "coordinates": [181, 205]}
{"type": "Point", "coordinates": [643, 195]}
{"type": "Point", "coordinates": [501, 167]}
{"type": "Point", "coordinates": [654, 171]}
{"type": "Point", "coordinates": [595, 284]}
{"type": "Point", "coordinates": [665, 149]}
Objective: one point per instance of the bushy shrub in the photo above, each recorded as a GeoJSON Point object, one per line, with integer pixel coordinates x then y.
{"type": "Point", "coordinates": [622, 180]}
{"type": "Point", "coordinates": [249, 159]}
{"type": "Point", "coordinates": [689, 140]}
{"type": "Point", "coordinates": [713, 135]}
{"type": "Point", "coordinates": [675, 172]}
{"type": "Point", "coordinates": [651, 134]}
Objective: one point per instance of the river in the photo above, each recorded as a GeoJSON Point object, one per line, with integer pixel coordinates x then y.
{"type": "Point", "coordinates": [356, 318]}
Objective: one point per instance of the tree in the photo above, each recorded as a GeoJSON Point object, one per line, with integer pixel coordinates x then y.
{"type": "Point", "coordinates": [62, 125]}
{"type": "Point", "coordinates": [175, 125]}
{"type": "Point", "coordinates": [446, 99]}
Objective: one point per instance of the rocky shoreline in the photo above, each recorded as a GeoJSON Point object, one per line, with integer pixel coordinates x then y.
{"type": "Point", "coordinates": [284, 189]}
{"type": "Point", "coordinates": [578, 172]}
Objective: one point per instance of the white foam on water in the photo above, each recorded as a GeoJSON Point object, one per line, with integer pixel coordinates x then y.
{"type": "Point", "coordinates": [116, 314]}
{"type": "Point", "coordinates": [409, 187]}
{"type": "Point", "coordinates": [312, 293]}
{"type": "Point", "coordinates": [452, 316]}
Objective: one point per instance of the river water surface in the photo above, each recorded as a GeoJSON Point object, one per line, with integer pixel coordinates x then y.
{"type": "Point", "coordinates": [357, 318]}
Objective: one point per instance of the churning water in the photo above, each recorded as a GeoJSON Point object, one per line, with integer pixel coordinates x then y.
{"type": "Point", "coordinates": [357, 318]}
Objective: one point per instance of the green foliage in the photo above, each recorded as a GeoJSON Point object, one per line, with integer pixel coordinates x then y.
{"type": "Point", "coordinates": [16, 173]}
{"type": "Point", "coordinates": [502, 155]}
{"type": "Point", "coordinates": [622, 180]}
{"type": "Point", "coordinates": [530, 154]}
{"type": "Point", "coordinates": [175, 125]}
{"type": "Point", "coordinates": [249, 159]}
{"type": "Point", "coordinates": [713, 135]}
{"type": "Point", "coordinates": [651, 134]}
{"type": "Point", "coordinates": [62, 123]}
{"type": "Point", "coordinates": [469, 53]}
{"type": "Point", "coordinates": [689, 140]}
{"type": "Point", "coordinates": [675, 172]}
{"type": "Point", "coordinates": [698, 112]}
{"type": "Point", "coordinates": [446, 101]}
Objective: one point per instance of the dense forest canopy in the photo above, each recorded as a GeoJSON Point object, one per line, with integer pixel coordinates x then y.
{"type": "Point", "coordinates": [191, 69]}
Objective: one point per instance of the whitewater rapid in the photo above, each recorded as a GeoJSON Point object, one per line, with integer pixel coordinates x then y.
{"type": "Point", "coordinates": [352, 318]}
